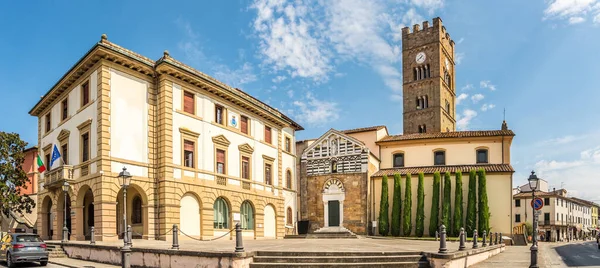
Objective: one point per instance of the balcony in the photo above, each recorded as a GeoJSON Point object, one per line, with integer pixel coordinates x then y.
{"type": "Point", "coordinates": [54, 178]}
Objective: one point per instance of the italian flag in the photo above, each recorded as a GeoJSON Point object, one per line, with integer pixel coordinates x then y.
{"type": "Point", "coordinates": [40, 163]}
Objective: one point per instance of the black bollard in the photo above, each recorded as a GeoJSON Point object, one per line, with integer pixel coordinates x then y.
{"type": "Point", "coordinates": [496, 238]}
{"type": "Point", "coordinates": [129, 236]}
{"type": "Point", "coordinates": [501, 240]}
{"type": "Point", "coordinates": [475, 244]}
{"type": "Point", "coordinates": [93, 238]}
{"type": "Point", "coordinates": [462, 238]}
{"type": "Point", "coordinates": [175, 237]}
{"type": "Point", "coordinates": [483, 237]}
{"type": "Point", "coordinates": [239, 245]}
{"type": "Point", "coordinates": [443, 248]}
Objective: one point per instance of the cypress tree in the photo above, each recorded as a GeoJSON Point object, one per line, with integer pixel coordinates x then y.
{"type": "Point", "coordinates": [471, 222]}
{"type": "Point", "coordinates": [407, 213]}
{"type": "Point", "coordinates": [484, 210]}
{"type": "Point", "coordinates": [435, 205]}
{"type": "Point", "coordinates": [420, 221]}
{"type": "Point", "coordinates": [447, 201]}
{"type": "Point", "coordinates": [384, 227]}
{"type": "Point", "coordinates": [396, 206]}
{"type": "Point", "coordinates": [458, 206]}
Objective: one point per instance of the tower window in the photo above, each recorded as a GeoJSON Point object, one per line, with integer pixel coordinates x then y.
{"type": "Point", "coordinates": [447, 106]}
{"type": "Point", "coordinates": [439, 158]}
{"type": "Point", "coordinates": [422, 128]}
{"type": "Point", "coordinates": [399, 160]}
{"type": "Point", "coordinates": [425, 101]}
{"type": "Point", "coordinates": [482, 156]}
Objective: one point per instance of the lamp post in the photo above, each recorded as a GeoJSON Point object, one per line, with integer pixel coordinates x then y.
{"type": "Point", "coordinates": [125, 179]}
{"type": "Point", "coordinates": [65, 236]}
{"type": "Point", "coordinates": [533, 184]}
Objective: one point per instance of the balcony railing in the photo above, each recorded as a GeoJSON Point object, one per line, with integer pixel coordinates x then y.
{"type": "Point", "coordinates": [54, 178]}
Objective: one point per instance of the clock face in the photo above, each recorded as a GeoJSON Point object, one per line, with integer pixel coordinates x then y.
{"type": "Point", "coordinates": [447, 64]}
{"type": "Point", "coordinates": [420, 57]}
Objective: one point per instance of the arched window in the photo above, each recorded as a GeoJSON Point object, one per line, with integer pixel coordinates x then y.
{"type": "Point", "coordinates": [334, 167]}
{"type": "Point", "coordinates": [247, 214]}
{"type": "Point", "coordinates": [415, 74]}
{"type": "Point", "coordinates": [428, 71]}
{"type": "Point", "coordinates": [136, 212]}
{"type": "Point", "coordinates": [290, 216]}
{"type": "Point", "coordinates": [420, 128]}
{"type": "Point", "coordinates": [399, 160]}
{"type": "Point", "coordinates": [439, 158]}
{"type": "Point", "coordinates": [424, 128]}
{"type": "Point", "coordinates": [221, 214]}
{"type": "Point", "coordinates": [425, 101]}
{"type": "Point", "coordinates": [447, 106]}
{"type": "Point", "coordinates": [288, 179]}
{"type": "Point", "coordinates": [482, 156]}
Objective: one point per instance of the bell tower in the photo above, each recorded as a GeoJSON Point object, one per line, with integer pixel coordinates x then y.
{"type": "Point", "coordinates": [428, 79]}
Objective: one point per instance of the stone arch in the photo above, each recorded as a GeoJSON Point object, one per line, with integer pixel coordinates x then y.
{"type": "Point", "coordinates": [270, 221]}
{"type": "Point", "coordinates": [248, 218]}
{"type": "Point", "coordinates": [190, 206]}
{"type": "Point", "coordinates": [61, 222]}
{"type": "Point", "coordinates": [333, 202]}
{"type": "Point", "coordinates": [85, 208]}
{"type": "Point", "coordinates": [140, 230]}
{"type": "Point", "coordinates": [222, 213]}
{"type": "Point", "coordinates": [47, 218]}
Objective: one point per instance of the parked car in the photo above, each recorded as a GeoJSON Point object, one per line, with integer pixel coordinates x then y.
{"type": "Point", "coordinates": [19, 248]}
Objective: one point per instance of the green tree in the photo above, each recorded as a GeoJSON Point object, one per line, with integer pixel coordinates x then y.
{"type": "Point", "coordinates": [396, 205]}
{"type": "Point", "coordinates": [471, 222]}
{"type": "Point", "coordinates": [12, 177]}
{"type": "Point", "coordinates": [458, 204]}
{"type": "Point", "coordinates": [384, 226]}
{"type": "Point", "coordinates": [420, 221]}
{"type": "Point", "coordinates": [447, 201]}
{"type": "Point", "coordinates": [407, 213]}
{"type": "Point", "coordinates": [435, 205]}
{"type": "Point", "coordinates": [484, 210]}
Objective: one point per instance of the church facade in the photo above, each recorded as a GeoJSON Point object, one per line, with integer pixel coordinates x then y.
{"type": "Point", "coordinates": [340, 173]}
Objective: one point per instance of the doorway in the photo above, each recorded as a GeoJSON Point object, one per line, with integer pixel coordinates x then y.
{"type": "Point", "coordinates": [334, 213]}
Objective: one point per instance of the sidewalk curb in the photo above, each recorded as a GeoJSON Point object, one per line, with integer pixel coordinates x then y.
{"type": "Point", "coordinates": [63, 265]}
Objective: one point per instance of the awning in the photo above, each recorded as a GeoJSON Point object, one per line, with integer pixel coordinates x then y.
{"type": "Point", "coordinates": [585, 230]}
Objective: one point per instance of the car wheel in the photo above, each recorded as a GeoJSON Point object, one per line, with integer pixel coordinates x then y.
{"type": "Point", "coordinates": [9, 262]}
{"type": "Point", "coordinates": [44, 263]}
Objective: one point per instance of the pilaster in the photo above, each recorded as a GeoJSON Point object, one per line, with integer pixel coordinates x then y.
{"type": "Point", "coordinates": [166, 189]}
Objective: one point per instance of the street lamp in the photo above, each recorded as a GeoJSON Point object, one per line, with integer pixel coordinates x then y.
{"type": "Point", "coordinates": [125, 179]}
{"type": "Point", "coordinates": [533, 184]}
{"type": "Point", "coordinates": [65, 236]}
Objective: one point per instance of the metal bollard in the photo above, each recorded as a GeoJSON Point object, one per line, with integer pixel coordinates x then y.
{"type": "Point", "coordinates": [443, 248]}
{"type": "Point", "coordinates": [239, 246]}
{"type": "Point", "coordinates": [437, 235]}
{"type": "Point", "coordinates": [501, 240]}
{"type": "Point", "coordinates": [475, 244]}
{"type": "Point", "coordinates": [175, 237]}
{"type": "Point", "coordinates": [129, 236]}
{"type": "Point", "coordinates": [496, 238]}
{"type": "Point", "coordinates": [483, 237]}
{"type": "Point", "coordinates": [93, 238]}
{"type": "Point", "coordinates": [462, 239]}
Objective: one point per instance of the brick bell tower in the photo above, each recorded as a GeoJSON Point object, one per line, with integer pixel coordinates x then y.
{"type": "Point", "coordinates": [428, 79]}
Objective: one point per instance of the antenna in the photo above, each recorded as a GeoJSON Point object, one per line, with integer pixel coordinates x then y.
{"type": "Point", "coordinates": [504, 116]}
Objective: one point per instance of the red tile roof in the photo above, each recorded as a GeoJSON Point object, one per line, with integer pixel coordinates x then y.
{"type": "Point", "coordinates": [362, 129]}
{"type": "Point", "coordinates": [453, 134]}
{"type": "Point", "coordinates": [489, 168]}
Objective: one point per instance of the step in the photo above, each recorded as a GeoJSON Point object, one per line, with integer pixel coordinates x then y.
{"type": "Point", "coordinates": [420, 264]}
{"type": "Point", "coordinates": [338, 259]}
{"type": "Point", "coordinates": [334, 254]}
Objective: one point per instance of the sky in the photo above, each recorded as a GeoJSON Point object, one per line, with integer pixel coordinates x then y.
{"type": "Point", "coordinates": [337, 64]}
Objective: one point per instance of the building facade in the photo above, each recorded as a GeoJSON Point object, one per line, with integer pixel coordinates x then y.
{"type": "Point", "coordinates": [196, 148]}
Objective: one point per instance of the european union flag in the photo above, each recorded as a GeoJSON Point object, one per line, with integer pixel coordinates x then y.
{"type": "Point", "coordinates": [55, 155]}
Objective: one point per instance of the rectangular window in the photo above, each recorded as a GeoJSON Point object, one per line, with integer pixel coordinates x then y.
{"type": "Point", "coordinates": [188, 153]}
{"type": "Point", "coordinates": [245, 167]}
{"type": "Point", "coordinates": [398, 160]}
{"type": "Point", "coordinates": [48, 121]}
{"type": "Point", "coordinates": [268, 178]}
{"type": "Point", "coordinates": [518, 203]}
{"type": "Point", "coordinates": [65, 153]}
{"type": "Point", "coordinates": [220, 161]}
{"type": "Point", "coordinates": [48, 162]}
{"type": "Point", "coordinates": [546, 201]}
{"type": "Point", "coordinates": [85, 93]}
{"type": "Point", "coordinates": [65, 108]}
{"type": "Point", "coordinates": [546, 217]}
{"type": "Point", "coordinates": [268, 135]}
{"type": "Point", "coordinates": [517, 217]}
{"type": "Point", "coordinates": [188, 103]}
{"type": "Point", "coordinates": [244, 125]}
{"type": "Point", "coordinates": [288, 145]}
{"type": "Point", "coordinates": [439, 158]}
{"type": "Point", "coordinates": [482, 156]}
{"type": "Point", "coordinates": [219, 114]}
{"type": "Point", "coordinates": [85, 147]}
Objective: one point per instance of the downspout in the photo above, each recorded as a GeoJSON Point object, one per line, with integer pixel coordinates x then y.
{"type": "Point", "coordinates": [503, 153]}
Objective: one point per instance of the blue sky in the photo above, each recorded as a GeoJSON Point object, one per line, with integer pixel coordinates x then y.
{"type": "Point", "coordinates": [337, 64]}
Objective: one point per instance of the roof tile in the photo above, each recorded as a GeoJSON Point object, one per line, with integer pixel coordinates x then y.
{"type": "Point", "coordinates": [443, 169]}
{"type": "Point", "coordinates": [452, 134]}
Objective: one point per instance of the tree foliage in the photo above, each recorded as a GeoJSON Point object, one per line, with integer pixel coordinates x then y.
{"type": "Point", "coordinates": [458, 205]}
{"type": "Point", "coordinates": [471, 221]}
{"type": "Point", "coordinates": [12, 177]}
{"type": "Point", "coordinates": [407, 213]}
{"type": "Point", "coordinates": [435, 205]}
{"type": "Point", "coordinates": [447, 201]}
{"type": "Point", "coordinates": [384, 226]}
{"type": "Point", "coordinates": [396, 205]}
{"type": "Point", "coordinates": [484, 210]}
{"type": "Point", "coordinates": [420, 221]}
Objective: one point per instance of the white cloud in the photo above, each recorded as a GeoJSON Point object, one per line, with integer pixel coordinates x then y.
{"type": "Point", "coordinates": [461, 97]}
{"type": "Point", "coordinates": [561, 140]}
{"type": "Point", "coordinates": [290, 93]}
{"type": "Point", "coordinates": [487, 84]}
{"type": "Point", "coordinates": [467, 87]}
{"type": "Point", "coordinates": [575, 11]}
{"type": "Point", "coordinates": [462, 39]}
{"type": "Point", "coordinates": [279, 79]}
{"type": "Point", "coordinates": [477, 97]}
{"type": "Point", "coordinates": [459, 57]}
{"type": "Point", "coordinates": [576, 20]}
{"type": "Point", "coordinates": [465, 119]}
{"type": "Point", "coordinates": [430, 5]}
{"type": "Point", "coordinates": [412, 17]}
{"type": "Point", "coordinates": [597, 19]}
{"type": "Point", "coordinates": [397, 98]}
{"type": "Point", "coordinates": [486, 106]}
{"type": "Point", "coordinates": [315, 112]}
{"type": "Point", "coordinates": [236, 77]}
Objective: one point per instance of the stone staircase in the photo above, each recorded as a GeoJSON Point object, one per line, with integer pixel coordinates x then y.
{"type": "Point", "coordinates": [326, 233]}
{"type": "Point", "coordinates": [55, 251]}
{"type": "Point", "coordinates": [281, 259]}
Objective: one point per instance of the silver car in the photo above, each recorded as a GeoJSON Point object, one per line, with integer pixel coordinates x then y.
{"type": "Point", "coordinates": [18, 248]}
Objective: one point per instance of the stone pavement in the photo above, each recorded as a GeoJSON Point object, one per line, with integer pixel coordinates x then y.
{"type": "Point", "coordinates": [513, 256]}
{"type": "Point", "coordinates": [74, 263]}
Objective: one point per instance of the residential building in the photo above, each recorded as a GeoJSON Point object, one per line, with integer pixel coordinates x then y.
{"type": "Point", "coordinates": [197, 149]}
{"type": "Point", "coordinates": [593, 215]}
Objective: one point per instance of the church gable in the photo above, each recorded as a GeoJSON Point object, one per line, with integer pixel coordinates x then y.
{"type": "Point", "coordinates": [335, 152]}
